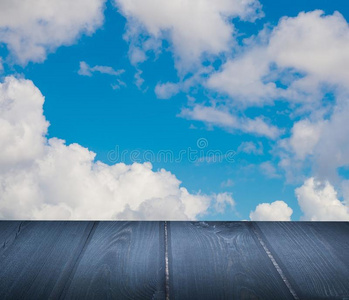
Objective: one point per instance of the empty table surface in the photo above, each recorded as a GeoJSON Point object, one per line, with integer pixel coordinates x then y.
{"type": "Point", "coordinates": [174, 260]}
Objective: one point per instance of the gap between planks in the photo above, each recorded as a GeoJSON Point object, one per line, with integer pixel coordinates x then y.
{"type": "Point", "coordinates": [274, 262]}
{"type": "Point", "coordinates": [77, 260]}
{"type": "Point", "coordinates": [167, 271]}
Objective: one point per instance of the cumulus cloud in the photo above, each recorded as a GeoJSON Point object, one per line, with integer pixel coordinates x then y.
{"type": "Point", "coordinates": [332, 149]}
{"type": "Point", "coordinates": [304, 137]}
{"type": "Point", "coordinates": [22, 123]}
{"type": "Point", "coordinates": [241, 79]}
{"type": "Point", "coordinates": [193, 28]}
{"type": "Point", "coordinates": [308, 54]}
{"type": "Point", "coordinates": [290, 62]}
{"type": "Point", "coordinates": [222, 118]}
{"type": "Point", "coordinates": [315, 43]}
{"type": "Point", "coordinates": [319, 202]}
{"type": "Point", "coordinates": [299, 150]}
{"type": "Point", "coordinates": [44, 178]}
{"type": "Point", "coordinates": [299, 61]}
{"type": "Point", "coordinates": [275, 211]}
{"type": "Point", "coordinates": [321, 144]}
{"type": "Point", "coordinates": [32, 28]}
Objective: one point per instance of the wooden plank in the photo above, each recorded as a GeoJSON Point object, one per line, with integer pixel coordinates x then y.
{"type": "Point", "coordinates": [313, 256]}
{"type": "Point", "coordinates": [8, 233]}
{"type": "Point", "coordinates": [220, 260]}
{"type": "Point", "coordinates": [123, 260]}
{"type": "Point", "coordinates": [207, 260]}
{"type": "Point", "coordinates": [334, 235]}
{"type": "Point", "coordinates": [38, 257]}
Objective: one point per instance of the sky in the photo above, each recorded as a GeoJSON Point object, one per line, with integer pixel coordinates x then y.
{"type": "Point", "coordinates": [174, 110]}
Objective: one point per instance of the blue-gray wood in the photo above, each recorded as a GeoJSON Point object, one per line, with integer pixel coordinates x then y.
{"type": "Point", "coordinates": [123, 260]}
{"type": "Point", "coordinates": [314, 256]}
{"type": "Point", "coordinates": [179, 260]}
{"type": "Point", "coordinates": [37, 257]}
{"type": "Point", "coordinates": [221, 260]}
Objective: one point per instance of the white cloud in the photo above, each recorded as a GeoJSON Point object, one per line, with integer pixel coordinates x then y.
{"type": "Point", "coordinates": [210, 115]}
{"type": "Point", "coordinates": [345, 191]}
{"type": "Point", "coordinates": [251, 148]}
{"type": "Point", "coordinates": [308, 54]}
{"type": "Point", "coordinates": [260, 127]}
{"type": "Point", "coordinates": [321, 144]}
{"type": "Point", "coordinates": [299, 150]}
{"type": "Point", "coordinates": [315, 43]}
{"type": "Point", "coordinates": [275, 211]}
{"type": "Point", "coordinates": [193, 28]}
{"type": "Point", "coordinates": [298, 61]}
{"type": "Point", "coordinates": [305, 136]}
{"type": "Point", "coordinates": [166, 90]}
{"type": "Point", "coordinates": [332, 150]}
{"type": "Point", "coordinates": [187, 85]}
{"type": "Point", "coordinates": [318, 201]}
{"type": "Point", "coordinates": [32, 28]}
{"type": "Point", "coordinates": [118, 85]}
{"type": "Point", "coordinates": [241, 79]}
{"type": "Point", "coordinates": [22, 124]}
{"type": "Point", "coordinates": [46, 179]}
{"type": "Point", "coordinates": [86, 70]}
{"type": "Point", "coordinates": [222, 201]}
{"type": "Point", "coordinates": [137, 55]}
{"type": "Point", "coordinates": [222, 118]}
{"type": "Point", "coordinates": [138, 79]}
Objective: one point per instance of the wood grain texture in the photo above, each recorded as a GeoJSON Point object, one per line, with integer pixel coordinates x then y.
{"type": "Point", "coordinates": [220, 260]}
{"type": "Point", "coordinates": [314, 256]}
{"type": "Point", "coordinates": [334, 235]}
{"type": "Point", "coordinates": [37, 257]}
{"type": "Point", "coordinates": [206, 260]}
{"type": "Point", "coordinates": [8, 233]}
{"type": "Point", "coordinates": [123, 260]}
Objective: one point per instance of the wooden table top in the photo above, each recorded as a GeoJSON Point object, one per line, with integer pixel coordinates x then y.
{"type": "Point", "coordinates": [174, 260]}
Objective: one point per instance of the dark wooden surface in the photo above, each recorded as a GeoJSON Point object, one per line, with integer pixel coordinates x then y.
{"type": "Point", "coordinates": [221, 260]}
{"type": "Point", "coordinates": [37, 257]}
{"type": "Point", "coordinates": [314, 256]}
{"type": "Point", "coordinates": [206, 260]}
{"type": "Point", "coordinates": [123, 260]}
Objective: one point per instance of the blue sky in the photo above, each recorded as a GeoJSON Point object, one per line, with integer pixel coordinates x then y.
{"type": "Point", "coordinates": [230, 84]}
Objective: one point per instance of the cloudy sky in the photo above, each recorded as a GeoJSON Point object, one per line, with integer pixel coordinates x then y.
{"type": "Point", "coordinates": [148, 109]}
